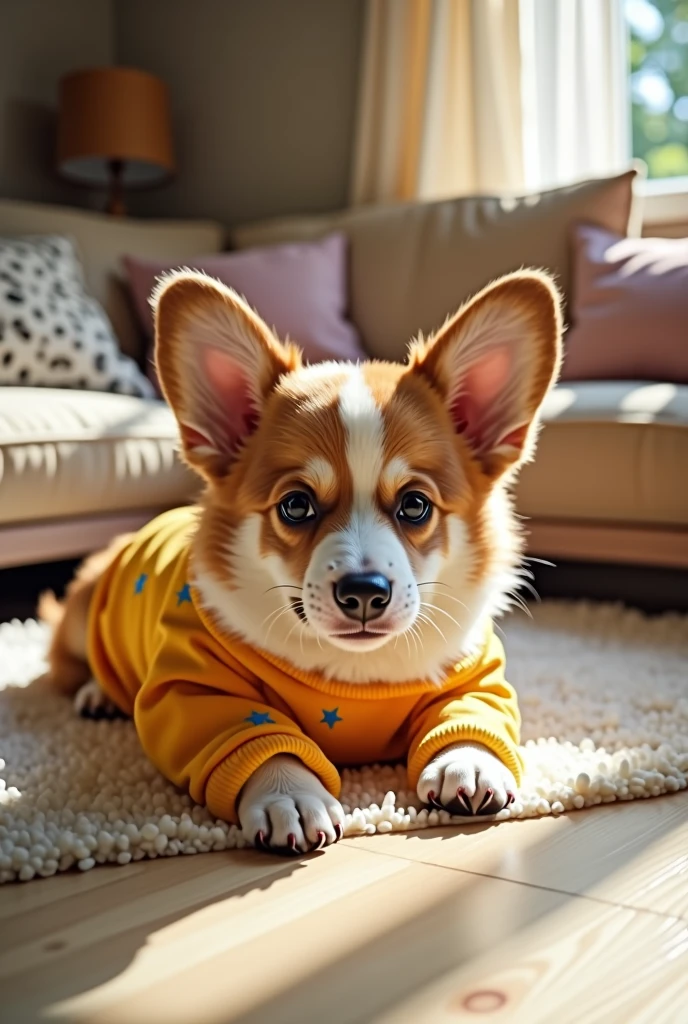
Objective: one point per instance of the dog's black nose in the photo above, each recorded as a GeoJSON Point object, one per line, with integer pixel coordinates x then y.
{"type": "Point", "coordinates": [363, 595]}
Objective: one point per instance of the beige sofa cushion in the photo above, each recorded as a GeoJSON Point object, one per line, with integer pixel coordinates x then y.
{"type": "Point", "coordinates": [611, 452]}
{"type": "Point", "coordinates": [102, 241]}
{"type": "Point", "coordinates": [413, 264]}
{"type": "Point", "coordinates": [75, 453]}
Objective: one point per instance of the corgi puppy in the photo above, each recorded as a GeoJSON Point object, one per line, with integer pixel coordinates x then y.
{"type": "Point", "coordinates": [330, 602]}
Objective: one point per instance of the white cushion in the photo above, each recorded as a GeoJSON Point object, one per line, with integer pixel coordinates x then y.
{"type": "Point", "coordinates": [609, 452]}
{"type": "Point", "coordinates": [75, 453]}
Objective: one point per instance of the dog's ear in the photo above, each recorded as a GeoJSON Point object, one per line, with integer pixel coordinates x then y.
{"type": "Point", "coordinates": [217, 362]}
{"type": "Point", "coordinates": [493, 363]}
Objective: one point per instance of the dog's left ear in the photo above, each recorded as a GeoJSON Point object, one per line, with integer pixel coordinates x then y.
{"type": "Point", "coordinates": [493, 363]}
{"type": "Point", "coordinates": [217, 363]}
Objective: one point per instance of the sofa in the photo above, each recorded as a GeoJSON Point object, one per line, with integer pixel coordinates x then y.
{"type": "Point", "coordinates": [610, 480]}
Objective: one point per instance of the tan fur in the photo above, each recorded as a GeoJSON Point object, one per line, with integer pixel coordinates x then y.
{"type": "Point", "coordinates": [67, 656]}
{"type": "Point", "coordinates": [296, 421]}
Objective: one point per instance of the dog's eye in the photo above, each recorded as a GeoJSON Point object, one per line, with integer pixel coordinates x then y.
{"type": "Point", "coordinates": [297, 508]}
{"type": "Point", "coordinates": [414, 508]}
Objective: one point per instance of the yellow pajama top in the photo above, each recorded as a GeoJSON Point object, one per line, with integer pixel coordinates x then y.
{"type": "Point", "coordinates": [210, 709]}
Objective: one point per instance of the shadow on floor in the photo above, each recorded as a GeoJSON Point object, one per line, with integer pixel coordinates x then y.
{"type": "Point", "coordinates": [458, 917]}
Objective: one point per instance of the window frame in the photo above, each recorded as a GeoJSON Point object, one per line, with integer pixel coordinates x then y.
{"type": "Point", "coordinates": [665, 200]}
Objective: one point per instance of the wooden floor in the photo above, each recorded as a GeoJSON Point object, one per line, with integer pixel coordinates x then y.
{"type": "Point", "coordinates": [573, 920]}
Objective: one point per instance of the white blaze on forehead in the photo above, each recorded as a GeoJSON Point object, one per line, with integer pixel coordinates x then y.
{"type": "Point", "coordinates": [364, 427]}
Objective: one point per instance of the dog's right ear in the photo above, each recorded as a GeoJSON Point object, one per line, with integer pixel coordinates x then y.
{"type": "Point", "coordinates": [217, 362]}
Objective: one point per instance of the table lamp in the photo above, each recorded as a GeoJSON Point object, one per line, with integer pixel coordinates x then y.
{"type": "Point", "coordinates": [114, 131]}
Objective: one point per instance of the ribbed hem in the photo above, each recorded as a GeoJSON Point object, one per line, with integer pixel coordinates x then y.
{"type": "Point", "coordinates": [463, 732]}
{"type": "Point", "coordinates": [225, 781]}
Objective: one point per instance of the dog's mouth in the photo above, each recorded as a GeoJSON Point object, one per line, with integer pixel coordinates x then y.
{"type": "Point", "coordinates": [362, 634]}
{"type": "Point", "coordinates": [352, 635]}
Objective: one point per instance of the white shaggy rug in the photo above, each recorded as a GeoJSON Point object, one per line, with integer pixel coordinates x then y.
{"type": "Point", "coordinates": [604, 699]}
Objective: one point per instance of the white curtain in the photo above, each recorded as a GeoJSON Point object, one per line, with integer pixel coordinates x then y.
{"type": "Point", "coordinates": [439, 99]}
{"type": "Point", "coordinates": [469, 96]}
{"type": "Point", "coordinates": [574, 81]}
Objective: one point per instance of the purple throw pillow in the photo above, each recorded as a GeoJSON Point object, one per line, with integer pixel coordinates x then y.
{"type": "Point", "coordinates": [299, 289]}
{"type": "Point", "coordinates": [629, 309]}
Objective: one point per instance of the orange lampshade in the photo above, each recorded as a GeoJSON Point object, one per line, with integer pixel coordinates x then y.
{"type": "Point", "coordinates": [117, 115]}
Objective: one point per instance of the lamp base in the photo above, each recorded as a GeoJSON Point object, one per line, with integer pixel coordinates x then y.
{"type": "Point", "coordinates": [115, 205]}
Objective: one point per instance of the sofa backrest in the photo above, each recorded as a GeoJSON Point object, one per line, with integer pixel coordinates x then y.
{"type": "Point", "coordinates": [102, 240]}
{"type": "Point", "coordinates": [413, 264]}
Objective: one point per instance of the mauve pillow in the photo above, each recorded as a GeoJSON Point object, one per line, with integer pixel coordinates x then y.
{"type": "Point", "coordinates": [299, 289]}
{"type": "Point", "coordinates": [629, 309]}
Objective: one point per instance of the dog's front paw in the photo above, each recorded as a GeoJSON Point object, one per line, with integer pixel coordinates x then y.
{"type": "Point", "coordinates": [467, 779]}
{"type": "Point", "coordinates": [91, 701]}
{"type": "Point", "coordinates": [284, 808]}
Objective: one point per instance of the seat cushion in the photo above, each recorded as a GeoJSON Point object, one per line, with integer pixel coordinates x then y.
{"type": "Point", "coordinates": [74, 453]}
{"type": "Point", "coordinates": [611, 451]}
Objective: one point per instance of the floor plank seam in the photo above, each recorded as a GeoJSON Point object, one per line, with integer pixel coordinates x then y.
{"type": "Point", "coordinates": [530, 885]}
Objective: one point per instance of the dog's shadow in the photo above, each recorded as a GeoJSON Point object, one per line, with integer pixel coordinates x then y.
{"type": "Point", "coordinates": [84, 930]}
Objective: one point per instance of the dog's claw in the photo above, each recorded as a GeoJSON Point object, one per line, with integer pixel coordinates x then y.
{"type": "Point", "coordinates": [510, 799]}
{"type": "Point", "coordinates": [322, 840]}
{"type": "Point", "coordinates": [260, 842]}
{"type": "Point", "coordinates": [432, 800]}
{"type": "Point", "coordinates": [464, 801]}
{"type": "Point", "coordinates": [291, 843]}
{"type": "Point", "coordinates": [489, 793]}
{"type": "Point", "coordinates": [339, 831]}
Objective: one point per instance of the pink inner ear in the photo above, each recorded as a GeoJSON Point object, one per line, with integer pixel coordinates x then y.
{"type": "Point", "coordinates": [223, 423]}
{"type": "Point", "coordinates": [482, 388]}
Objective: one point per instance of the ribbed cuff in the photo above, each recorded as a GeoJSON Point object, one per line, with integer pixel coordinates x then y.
{"type": "Point", "coordinates": [225, 781]}
{"type": "Point", "coordinates": [463, 732]}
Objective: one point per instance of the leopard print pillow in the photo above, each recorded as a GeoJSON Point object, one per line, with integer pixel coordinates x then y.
{"type": "Point", "coordinates": [52, 334]}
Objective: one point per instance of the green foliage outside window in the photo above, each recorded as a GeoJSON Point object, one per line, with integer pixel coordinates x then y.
{"type": "Point", "coordinates": [659, 84]}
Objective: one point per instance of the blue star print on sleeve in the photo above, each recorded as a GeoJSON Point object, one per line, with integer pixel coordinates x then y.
{"type": "Point", "coordinates": [183, 595]}
{"type": "Point", "coordinates": [330, 718]}
{"type": "Point", "coordinates": [260, 718]}
{"type": "Point", "coordinates": [140, 583]}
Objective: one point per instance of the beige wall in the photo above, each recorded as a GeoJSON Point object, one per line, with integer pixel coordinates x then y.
{"type": "Point", "coordinates": [40, 40]}
{"type": "Point", "coordinates": [263, 97]}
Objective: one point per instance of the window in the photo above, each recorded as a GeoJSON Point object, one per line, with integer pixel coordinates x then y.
{"type": "Point", "coordinates": [658, 52]}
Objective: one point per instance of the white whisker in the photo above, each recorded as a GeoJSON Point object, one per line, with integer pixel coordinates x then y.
{"type": "Point", "coordinates": [276, 611]}
{"type": "Point", "coordinates": [296, 624]}
{"type": "Point", "coordinates": [519, 602]}
{"type": "Point", "coordinates": [531, 588]}
{"type": "Point", "coordinates": [418, 637]}
{"type": "Point", "coordinates": [410, 632]}
{"type": "Point", "coordinates": [426, 604]}
{"type": "Point", "coordinates": [431, 622]}
{"type": "Point", "coordinates": [445, 597]}
{"type": "Point", "coordinates": [279, 612]}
